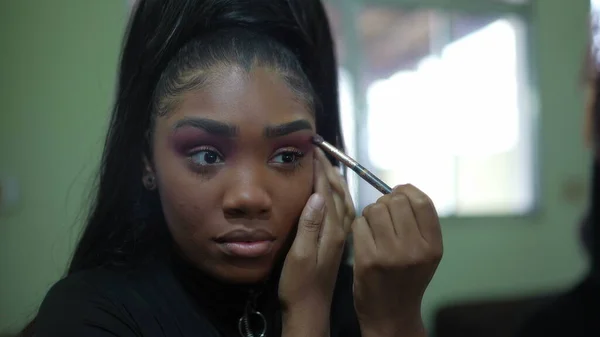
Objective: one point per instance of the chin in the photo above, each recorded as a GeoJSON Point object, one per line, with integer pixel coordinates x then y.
{"type": "Point", "coordinates": [238, 275]}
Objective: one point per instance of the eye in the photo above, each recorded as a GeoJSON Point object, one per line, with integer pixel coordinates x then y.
{"type": "Point", "coordinates": [205, 157]}
{"type": "Point", "coordinates": [288, 156]}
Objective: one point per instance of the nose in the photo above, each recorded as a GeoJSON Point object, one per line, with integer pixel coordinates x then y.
{"type": "Point", "coordinates": [247, 196]}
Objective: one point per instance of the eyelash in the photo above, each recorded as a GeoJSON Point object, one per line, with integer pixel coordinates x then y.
{"type": "Point", "coordinates": [296, 163]}
{"type": "Point", "coordinates": [205, 168]}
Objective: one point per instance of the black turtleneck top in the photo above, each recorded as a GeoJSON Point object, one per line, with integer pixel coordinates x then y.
{"type": "Point", "coordinates": [171, 298]}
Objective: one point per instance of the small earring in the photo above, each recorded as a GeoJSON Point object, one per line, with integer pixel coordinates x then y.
{"type": "Point", "coordinates": [149, 182]}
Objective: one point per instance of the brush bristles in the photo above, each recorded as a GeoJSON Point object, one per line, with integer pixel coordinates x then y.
{"type": "Point", "coordinates": [316, 139]}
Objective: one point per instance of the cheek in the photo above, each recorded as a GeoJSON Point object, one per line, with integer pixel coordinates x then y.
{"type": "Point", "coordinates": [181, 195]}
{"type": "Point", "coordinates": [183, 206]}
{"type": "Point", "coordinates": [291, 196]}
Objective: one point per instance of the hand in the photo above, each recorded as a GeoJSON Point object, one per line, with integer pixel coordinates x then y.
{"type": "Point", "coordinates": [397, 248]}
{"type": "Point", "coordinates": [311, 266]}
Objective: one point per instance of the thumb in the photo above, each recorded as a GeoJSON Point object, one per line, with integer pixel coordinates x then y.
{"type": "Point", "coordinates": [309, 227]}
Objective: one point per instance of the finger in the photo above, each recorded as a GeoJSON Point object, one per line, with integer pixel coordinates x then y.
{"type": "Point", "coordinates": [323, 184]}
{"type": "Point", "coordinates": [350, 211]}
{"type": "Point", "coordinates": [309, 228]}
{"type": "Point", "coordinates": [335, 184]}
{"type": "Point", "coordinates": [403, 217]}
{"type": "Point", "coordinates": [339, 185]}
{"type": "Point", "coordinates": [340, 209]}
{"type": "Point", "coordinates": [425, 213]}
{"type": "Point", "coordinates": [332, 235]}
{"type": "Point", "coordinates": [379, 220]}
{"type": "Point", "coordinates": [335, 187]}
{"type": "Point", "coordinates": [332, 172]}
{"type": "Point", "coordinates": [364, 245]}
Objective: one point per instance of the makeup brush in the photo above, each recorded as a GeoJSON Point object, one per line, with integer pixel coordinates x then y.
{"type": "Point", "coordinates": [352, 164]}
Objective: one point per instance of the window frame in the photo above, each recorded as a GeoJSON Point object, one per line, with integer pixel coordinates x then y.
{"type": "Point", "coordinates": [349, 10]}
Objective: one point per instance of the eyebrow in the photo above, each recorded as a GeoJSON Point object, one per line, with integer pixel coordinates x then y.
{"type": "Point", "coordinates": [209, 125]}
{"type": "Point", "coordinates": [227, 130]}
{"type": "Point", "coordinates": [274, 131]}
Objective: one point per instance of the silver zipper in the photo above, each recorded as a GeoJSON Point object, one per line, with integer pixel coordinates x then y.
{"type": "Point", "coordinates": [244, 322]}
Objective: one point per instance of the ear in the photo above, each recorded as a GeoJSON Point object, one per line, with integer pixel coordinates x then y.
{"type": "Point", "coordinates": [148, 177]}
{"type": "Point", "coordinates": [148, 169]}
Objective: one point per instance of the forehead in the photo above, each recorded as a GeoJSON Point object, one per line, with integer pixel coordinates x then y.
{"type": "Point", "coordinates": [232, 94]}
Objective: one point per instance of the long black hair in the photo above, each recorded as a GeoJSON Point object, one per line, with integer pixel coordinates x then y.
{"type": "Point", "coordinates": [591, 230]}
{"type": "Point", "coordinates": [122, 228]}
{"type": "Point", "coordinates": [125, 226]}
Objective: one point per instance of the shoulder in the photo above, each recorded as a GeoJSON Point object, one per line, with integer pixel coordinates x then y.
{"type": "Point", "coordinates": [95, 283]}
{"type": "Point", "coordinates": [85, 303]}
{"type": "Point", "coordinates": [566, 315]}
{"type": "Point", "coordinates": [343, 316]}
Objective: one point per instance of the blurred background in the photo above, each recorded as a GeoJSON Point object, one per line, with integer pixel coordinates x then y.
{"type": "Point", "coordinates": [483, 102]}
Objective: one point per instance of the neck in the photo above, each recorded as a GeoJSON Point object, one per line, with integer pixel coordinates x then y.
{"type": "Point", "coordinates": [219, 296]}
{"type": "Point", "coordinates": [230, 306]}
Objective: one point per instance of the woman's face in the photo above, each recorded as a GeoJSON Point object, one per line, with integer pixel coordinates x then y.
{"type": "Point", "coordinates": [234, 169]}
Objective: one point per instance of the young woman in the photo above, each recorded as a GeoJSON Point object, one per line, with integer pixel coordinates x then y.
{"type": "Point", "coordinates": [215, 214]}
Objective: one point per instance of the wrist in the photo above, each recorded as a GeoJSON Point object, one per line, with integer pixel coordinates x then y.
{"type": "Point", "coordinates": [394, 332]}
{"type": "Point", "coordinates": [301, 323]}
{"type": "Point", "coordinates": [404, 327]}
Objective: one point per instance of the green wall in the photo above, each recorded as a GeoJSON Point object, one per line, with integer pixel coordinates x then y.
{"type": "Point", "coordinates": [57, 71]}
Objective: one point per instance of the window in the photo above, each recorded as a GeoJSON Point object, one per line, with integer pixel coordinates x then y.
{"type": "Point", "coordinates": [347, 116]}
{"type": "Point", "coordinates": [443, 102]}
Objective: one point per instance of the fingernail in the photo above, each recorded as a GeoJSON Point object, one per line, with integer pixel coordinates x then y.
{"type": "Point", "coordinates": [397, 187]}
{"type": "Point", "coordinates": [316, 202]}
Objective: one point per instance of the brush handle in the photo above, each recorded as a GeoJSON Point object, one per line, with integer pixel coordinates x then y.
{"type": "Point", "coordinates": [371, 179]}
{"type": "Point", "coordinates": [353, 165]}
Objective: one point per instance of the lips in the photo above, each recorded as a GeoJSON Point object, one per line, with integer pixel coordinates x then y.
{"type": "Point", "coordinates": [243, 243]}
{"type": "Point", "coordinates": [242, 235]}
